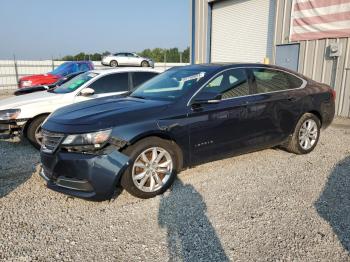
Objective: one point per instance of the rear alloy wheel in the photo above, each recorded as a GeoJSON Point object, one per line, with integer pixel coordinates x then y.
{"type": "Point", "coordinates": [306, 135]}
{"type": "Point", "coordinates": [34, 131]}
{"type": "Point", "coordinates": [154, 163]}
{"type": "Point", "coordinates": [113, 63]}
{"type": "Point", "coordinates": [145, 64]}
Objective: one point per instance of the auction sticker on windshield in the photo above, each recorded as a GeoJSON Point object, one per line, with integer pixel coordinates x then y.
{"type": "Point", "coordinates": [197, 76]}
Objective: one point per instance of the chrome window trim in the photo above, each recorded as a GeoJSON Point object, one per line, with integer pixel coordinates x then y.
{"type": "Point", "coordinates": [101, 75]}
{"type": "Point", "coordinates": [303, 85]}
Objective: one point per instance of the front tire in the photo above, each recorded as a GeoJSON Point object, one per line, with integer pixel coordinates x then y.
{"type": "Point", "coordinates": [306, 135]}
{"type": "Point", "coordinates": [153, 167]}
{"type": "Point", "coordinates": [34, 134]}
{"type": "Point", "coordinates": [113, 63]}
{"type": "Point", "coordinates": [144, 64]}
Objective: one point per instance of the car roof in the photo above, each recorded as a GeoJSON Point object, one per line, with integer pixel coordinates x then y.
{"type": "Point", "coordinates": [77, 62]}
{"type": "Point", "coordinates": [125, 69]}
{"type": "Point", "coordinates": [224, 65]}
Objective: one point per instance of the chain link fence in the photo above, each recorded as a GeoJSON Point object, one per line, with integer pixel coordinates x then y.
{"type": "Point", "coordinates": [12, 70]}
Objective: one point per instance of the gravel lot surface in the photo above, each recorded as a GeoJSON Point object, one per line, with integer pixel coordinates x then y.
{"type": "Point", "coordinates": [267, 205]}
{"type": "Point", "coordinates": [6, 93]}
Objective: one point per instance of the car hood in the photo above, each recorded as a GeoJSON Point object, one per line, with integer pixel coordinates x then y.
{"type": "Point", "coordinates": [19, 101]}
{"type": "Point", "coordinates": [102, 113]}
{"type": "Point", "coordinates": [35, 78]}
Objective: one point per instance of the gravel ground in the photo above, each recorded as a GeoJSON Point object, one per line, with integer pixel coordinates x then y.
{"type": "Point", "coordinates": [267, 205]}
{"type": "Point", "coordinates": [6, 93]}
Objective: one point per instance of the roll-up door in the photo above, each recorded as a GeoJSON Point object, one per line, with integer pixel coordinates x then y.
{"type": "Point", "coordinates": [242, 30]}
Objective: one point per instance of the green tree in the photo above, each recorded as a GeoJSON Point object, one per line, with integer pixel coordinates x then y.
{"type": "Point", "coordinates": [96, 57]}
{"type": "Point", "coordinates": [157, 54]}
{"type": "Point", "coordinates": [67, 58]}
{"type": "Point", "coordinates": [172, 55]}
{"type": "Point", "coordinates": [105, 53]}
{"type": "Point", "coordinates": [79, 57]}
{"type": "Point", "coordinates": [186, 55]}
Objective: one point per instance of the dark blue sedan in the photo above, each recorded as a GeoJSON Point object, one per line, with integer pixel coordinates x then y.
{"type": "Point", "coordinates": [181, 118]}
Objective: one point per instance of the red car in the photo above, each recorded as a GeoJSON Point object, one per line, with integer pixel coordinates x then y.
{"type": "Point", "coordinates": [52, 77]}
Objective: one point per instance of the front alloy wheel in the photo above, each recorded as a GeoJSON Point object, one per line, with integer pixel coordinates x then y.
{"type": "Point", "coordinates": [145, 64]}
{"type": "Point", "coordinates": [154, 163]}
{"type": "Point", "coordinates": [113, 63]}
{"type": "Point", "coordinates": [39, 135]}
{"type": "Point", "coordinates": [34, 131]}
{"type": "Point", "coordinates": [152, 169]}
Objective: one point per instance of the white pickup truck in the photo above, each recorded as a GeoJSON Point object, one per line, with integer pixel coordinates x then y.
{"type": "Point", "coordinates": [23, 115]}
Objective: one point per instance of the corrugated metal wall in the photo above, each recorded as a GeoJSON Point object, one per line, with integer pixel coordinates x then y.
{"type": "Point", "coordinates": [201, 31]}
{"type": "Point", "coordinates": [313, 60]}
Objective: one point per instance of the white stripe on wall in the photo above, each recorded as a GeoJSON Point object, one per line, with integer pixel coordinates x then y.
{"type": "Point", "coordinates": [321, 27]}
{"type": "Point", "coordinates": [333, 9]}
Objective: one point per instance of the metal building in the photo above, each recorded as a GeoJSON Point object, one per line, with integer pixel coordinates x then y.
{"type": "Point", "coordinates": [258, 31]}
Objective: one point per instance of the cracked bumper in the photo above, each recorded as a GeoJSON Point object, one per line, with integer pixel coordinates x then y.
{"type": "Point", "coordinates": [11, 128]}
{"type": "Point", "coordinates": [87, 176]}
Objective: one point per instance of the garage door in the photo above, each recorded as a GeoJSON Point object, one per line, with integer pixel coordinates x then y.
{"type": "Point", "coordinates": [242, 30]}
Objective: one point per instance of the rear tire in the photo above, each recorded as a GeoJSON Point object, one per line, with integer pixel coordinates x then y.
{"type": "Point", "coordinates": [305, 136]}
{"type": "Point", "coordinates": [33, 133]}
{"type": "Point", "coordinates": [142, 173]}
{"type": "Point", "coordinates": [113, 63]}
{"type": "Point", "coordinates": [144, 64]}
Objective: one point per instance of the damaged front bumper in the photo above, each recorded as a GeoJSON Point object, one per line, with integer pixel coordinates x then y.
{"type": "Point", "coordinates": [83, 175]}
{"type": "Point", "coordinates": [11, 128]}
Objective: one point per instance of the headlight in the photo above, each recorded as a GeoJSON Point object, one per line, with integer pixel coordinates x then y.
{"type": "Point", "coordinates": [26, 83]}
{"type": "Point", "coordinates": [9, 114]}
{"type": "Point", "coordinates": [97, 139]}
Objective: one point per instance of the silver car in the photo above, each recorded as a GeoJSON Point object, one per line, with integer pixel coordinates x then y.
{"type": "Point", "coordinates": [126, 59]}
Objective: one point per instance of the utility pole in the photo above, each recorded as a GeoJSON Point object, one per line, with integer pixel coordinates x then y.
{"type": "Point", "coordinates": [16, 68]}
{"type": "Point", "coordinates": [52, 63]}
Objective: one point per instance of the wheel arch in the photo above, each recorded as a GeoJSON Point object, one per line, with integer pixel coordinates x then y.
{"type": "Point", "coordinates": [165, 136]}
{"type": "Point", "coordinates": [113, 60]}
{"type": "Point", "coordinates": [27, 124]}
{"type": "Point", "coordinates": [144, 61]}
{"type": "Point", "coordinates": [318, 114]}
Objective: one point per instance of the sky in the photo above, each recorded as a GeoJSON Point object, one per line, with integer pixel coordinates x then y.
{"type": "Point", "coordinates": [41, 29]}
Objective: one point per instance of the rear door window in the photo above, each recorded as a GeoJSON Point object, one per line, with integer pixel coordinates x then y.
{"type": "Point", "coordinates": [139, 78]}
{"type": "Point", "coordinates": [231, 83]}
{"type": "Point", "coordinates": [111, 83]}
{"type": "Point", "coordinates": [269, 80]}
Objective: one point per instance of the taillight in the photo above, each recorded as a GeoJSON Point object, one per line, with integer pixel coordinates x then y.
{"type": "Point", "coordinates": [333, 93]}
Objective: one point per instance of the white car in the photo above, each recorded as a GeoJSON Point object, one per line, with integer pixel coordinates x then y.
{"type": "Point", "coordinates": [126, 59]}
{"type": "Point", "coordinates": [25, 114]}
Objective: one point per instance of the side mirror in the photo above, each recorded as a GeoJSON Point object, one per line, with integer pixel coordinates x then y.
{"type": "Point", "coordinates": [87, 91]}
{"type": "Point", "coordinates": [207, 98]}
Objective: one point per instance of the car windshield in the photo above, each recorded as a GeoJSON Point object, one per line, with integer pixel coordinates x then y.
{"type": "Point", "coordinates": [60, 70]}
{"type": "Point", "coordinates": [169, 85]}
{"type": "Point", "coordinates": [74, 83]}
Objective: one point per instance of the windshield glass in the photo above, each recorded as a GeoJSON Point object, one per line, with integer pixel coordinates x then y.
{"type": "Point", "coordinates": [74, 83]}
{"type": "Point", "coordinates": [65, 67]}
{"type": "Point", "coordinates": [170, 84]}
